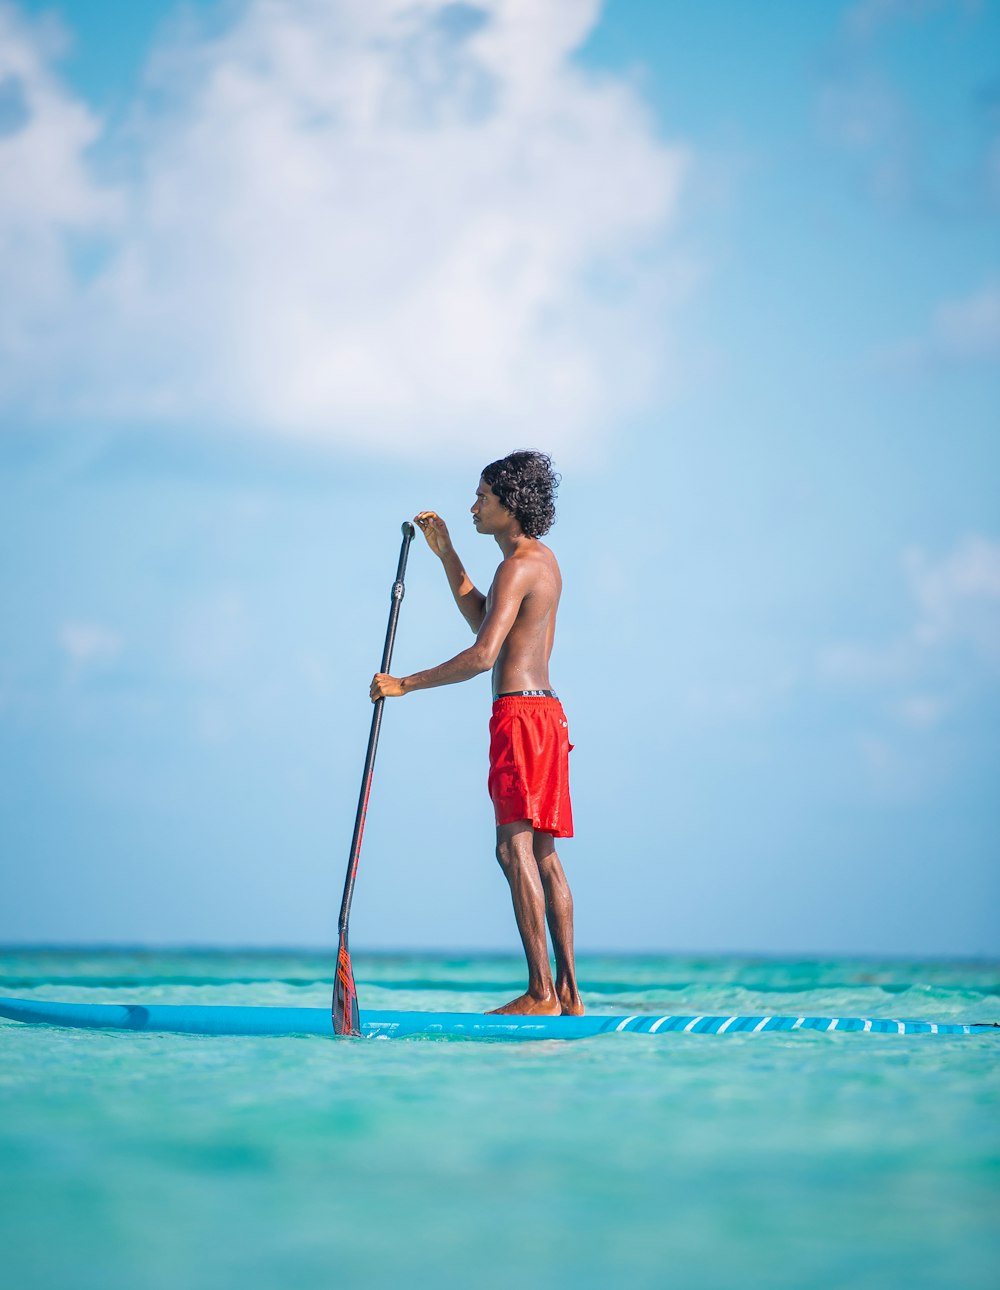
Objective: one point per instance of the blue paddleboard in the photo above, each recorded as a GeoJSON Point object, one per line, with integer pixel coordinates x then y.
{"type": "Point", "coordinates": [221, 1019]}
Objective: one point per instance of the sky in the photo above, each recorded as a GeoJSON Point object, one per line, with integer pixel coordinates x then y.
{"type": "Point", "coordinates": [276, 276]}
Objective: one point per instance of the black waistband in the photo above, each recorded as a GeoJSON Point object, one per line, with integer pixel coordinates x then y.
{"type": "Point", "coordinates": [526, 694]}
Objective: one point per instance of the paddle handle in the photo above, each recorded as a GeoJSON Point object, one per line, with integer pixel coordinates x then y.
{"type": "Point", "coordinates": [398, 591]}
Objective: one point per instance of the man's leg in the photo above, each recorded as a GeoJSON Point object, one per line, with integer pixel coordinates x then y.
{"type": "Point", "coordinates": [516, 855]}
{"type": "Point", "coordinates": [559, 913]}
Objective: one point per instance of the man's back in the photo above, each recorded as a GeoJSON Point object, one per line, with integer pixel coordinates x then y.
{"type": "Point", "coordinates": [523, 662]}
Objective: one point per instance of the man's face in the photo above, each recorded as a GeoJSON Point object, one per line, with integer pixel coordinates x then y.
{"type": "Point", "coordinates": [487, 513]}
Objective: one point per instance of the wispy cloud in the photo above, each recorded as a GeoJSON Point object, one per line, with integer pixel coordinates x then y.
{"type": "Point", "coordinates": [955, 620]}
{"type": "Point", "coordinates": [911, 700]}
{"type": "Point", "coordinates": [49, 201]}
{"type": "Point", "coordinates": [867, 18]}
{"type": "Point", "coordinates": [958, 597]}
{"type": "Point", "coordinates": [898, 133]}
{"type": "Point", "coordinates": [86, 643]}
{"type": "Point", "coordinates": [961, 331]}
{"type": "Point", "coordinates": [970, 328]}
{"type": "Point", "coordinates": [394, 226]}
{"type": "Point", "coordinates": [922, 711]}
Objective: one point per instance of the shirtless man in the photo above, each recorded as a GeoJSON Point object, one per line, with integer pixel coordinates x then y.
{"type": "Point", "coordinates": [529, 746]}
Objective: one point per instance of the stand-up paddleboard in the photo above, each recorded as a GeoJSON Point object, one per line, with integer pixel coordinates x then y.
{"type": "Point", "coordinates": [220, 1019]}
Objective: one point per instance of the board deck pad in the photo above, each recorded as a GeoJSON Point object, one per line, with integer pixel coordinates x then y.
{"type": "Point", "coordinates": [221, 1019]}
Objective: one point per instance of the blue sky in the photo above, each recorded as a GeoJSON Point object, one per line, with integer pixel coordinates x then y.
{"type": "Point", "coordinates": [278, 276]}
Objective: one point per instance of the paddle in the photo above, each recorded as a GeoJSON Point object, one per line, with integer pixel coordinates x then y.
{"type": "Point", "coordinates": [345, 996]}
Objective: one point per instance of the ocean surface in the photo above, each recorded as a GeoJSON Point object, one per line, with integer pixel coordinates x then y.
{"type": "Point", "coordinates": [133, 1161]}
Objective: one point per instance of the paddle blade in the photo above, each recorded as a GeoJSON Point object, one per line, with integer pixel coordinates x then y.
{"type": "Point", "coordinates": [345, 997]}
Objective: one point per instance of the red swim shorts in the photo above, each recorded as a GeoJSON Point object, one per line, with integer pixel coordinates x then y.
{"type": "Point", "coordinates": [529, 763]}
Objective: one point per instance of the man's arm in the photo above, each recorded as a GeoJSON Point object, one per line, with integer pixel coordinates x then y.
{"type": "Point", "coordinates": [510, 586]}
{"type": "Point", "coordinates": [470, 601]}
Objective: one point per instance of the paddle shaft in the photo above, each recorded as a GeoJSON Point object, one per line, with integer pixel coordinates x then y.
{"type": "Point", "coordinates": [366, 779]}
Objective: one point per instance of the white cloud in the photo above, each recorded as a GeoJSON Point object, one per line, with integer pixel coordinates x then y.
{"type": "Point", "coordinates": [48, 200]}
{"type": "Point", "coordinates": [876, 113]}
{"type": "Point", "coordinates": [969, 328]}
{"type": "Point", "coordinates": [922, 711]}
{"type": "Point", "coordinates": [854, 663]}
{"type": "Point", "coordinates": [960, 331]}
{"type": "Point", "coordinates": [405, 225]}
{"type": "Point", "coordinates": [89, 643]}
{"type": "Point", "coordinates": [866, 19]}
{"type": "Point", "coordinates": [912, 693]}
{"type": "Point", "coordinates": [955, 603]}
{"type": "Point", "coordinates": [958, 597]}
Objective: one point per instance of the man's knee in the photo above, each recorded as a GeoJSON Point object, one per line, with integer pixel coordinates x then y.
{"type": "Point", "coordinates": [544, 846]}
{"type": "Point", "coordinates": [513, 843]}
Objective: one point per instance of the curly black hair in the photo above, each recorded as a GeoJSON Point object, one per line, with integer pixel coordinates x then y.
{"type": "Point", "coordinates": [526, 485]}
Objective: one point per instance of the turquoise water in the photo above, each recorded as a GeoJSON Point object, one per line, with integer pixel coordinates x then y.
{"type": "Point", "coordinates": [802, 1160]}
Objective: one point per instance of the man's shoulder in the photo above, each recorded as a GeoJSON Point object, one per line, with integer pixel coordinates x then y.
{"type": "Point", "coordinates": [527, 565]}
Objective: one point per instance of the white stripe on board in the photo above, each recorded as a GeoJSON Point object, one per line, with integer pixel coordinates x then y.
{"type": "Point", "coordinates": [866, 1024]}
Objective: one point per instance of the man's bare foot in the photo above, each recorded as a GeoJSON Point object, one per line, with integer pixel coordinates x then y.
{"type": "Point", "coordinates": [527, 1005]}
{"type": "Point", "coordinates": [570, 1002]}
{"type": "Point", "coordinates": [571, 1005]}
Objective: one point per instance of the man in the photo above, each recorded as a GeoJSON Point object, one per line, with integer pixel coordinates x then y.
{"type": "Point", "coordinates": [515, 626]}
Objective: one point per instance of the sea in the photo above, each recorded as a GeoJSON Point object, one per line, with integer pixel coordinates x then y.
{"type": "Point", "coordinates": [805, 1160]}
